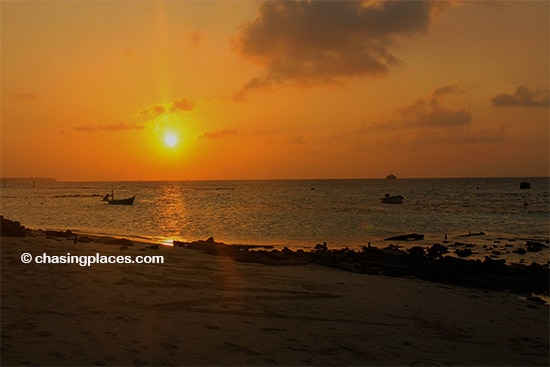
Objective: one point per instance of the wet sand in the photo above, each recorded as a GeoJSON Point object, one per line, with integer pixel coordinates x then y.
{"type": "Point", "coordinates": [197, 309]}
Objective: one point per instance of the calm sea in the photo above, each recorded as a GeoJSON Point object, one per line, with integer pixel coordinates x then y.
{"type": "Point", "coordinates": [293, 213]}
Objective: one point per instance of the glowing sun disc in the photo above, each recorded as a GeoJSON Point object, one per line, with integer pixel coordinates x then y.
{"type": "Point", "coordinates": [171, 140]}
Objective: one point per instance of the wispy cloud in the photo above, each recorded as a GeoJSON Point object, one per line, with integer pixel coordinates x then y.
{"type": "Point", "coordinates": [267, 132]}
{"type": "Point", "coordinates": [522, 96]}
{"type": "Point", "coordinates": [323, 42]}
{"type": "Point", "coordinates": [463, 135]}
{"type": "Point", "coordinates": [218, 134]}
{"type": "Point", "coordinates": [179, 105]}
{"type": "Point", "coordinates": [111, 128]}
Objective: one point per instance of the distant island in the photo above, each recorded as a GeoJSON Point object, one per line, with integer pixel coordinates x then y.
{"type": "Point", "coordinates": [5, 181]}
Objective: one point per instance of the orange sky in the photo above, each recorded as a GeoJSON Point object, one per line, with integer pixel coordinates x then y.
{"type": "Point", "coordinates": [256, 90]}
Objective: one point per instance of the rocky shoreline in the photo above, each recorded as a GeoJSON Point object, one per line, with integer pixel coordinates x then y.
{"type": "Point", "coordinates": [431, 265]}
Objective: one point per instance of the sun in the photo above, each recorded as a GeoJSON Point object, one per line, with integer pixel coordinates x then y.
{"type": "Point", "coordinates": [171, 140]}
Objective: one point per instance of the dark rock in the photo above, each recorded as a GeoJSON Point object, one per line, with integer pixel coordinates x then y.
{"type": "Point", "coordinates": [536, 299]}
{"type": "Point", "coordinates": [463, 252]}
{"type": "Point", "coordinates": [210, 240]}
{"type": "Point", "coordinates": [66, 234]}
{"type": "Point", "coordinates": [391, 261]}
{"type": "Point", "coordinates": [56, 234]}
{"type": "Point", "coordinates": [392, 247]}
{"type": "Point", "coordinates": [533, 246]}
{"type": "Point", "coordinates": [437, 250]}
{"type": "Point", "coordinates": [287, 251]}
{"type": "Point", "coordinates": [10, 228]}
{"type": "Point", "coordinates": [494, 265]}
{"type": "Point", "coordinates": [469, 234]}
{"type": "Point", "coordinates": [84, 239]}
{"type": "Point", "coordinates": [406, 237]}
{"type": "Point", "coordinates": [115, 241]}
{"type": "Point", "coordinates": [321, 247]}
{"type": "Point", "coordinates": [416, 251]}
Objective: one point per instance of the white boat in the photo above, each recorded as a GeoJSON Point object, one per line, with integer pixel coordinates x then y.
{"type": "Point", "coordinates": [388, 199]}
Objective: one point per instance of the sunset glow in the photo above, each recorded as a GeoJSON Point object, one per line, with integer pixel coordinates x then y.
{"type": "Point", "coordinates": [272, 90]}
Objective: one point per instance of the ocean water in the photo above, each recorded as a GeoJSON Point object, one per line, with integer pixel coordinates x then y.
{"type": "Point", "coordinates": [293, 213]}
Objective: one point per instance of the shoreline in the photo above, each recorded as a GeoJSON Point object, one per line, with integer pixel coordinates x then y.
{"type": "Point", "coordinates": [199, 309]}
{"type": "Point", "coordinates": [455, 263]}
{"type": "Point", "coordinates": [495, 246]}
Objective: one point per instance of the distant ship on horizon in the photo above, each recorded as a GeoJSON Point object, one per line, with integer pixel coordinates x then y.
{"type": "Point", "coordinates": [391, 176]}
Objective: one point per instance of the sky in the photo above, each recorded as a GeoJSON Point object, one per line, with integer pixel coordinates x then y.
{"type": "Point", "coordinates": [213, 90]}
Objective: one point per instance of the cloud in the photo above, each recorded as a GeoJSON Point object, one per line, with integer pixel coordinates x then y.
{"type": "Point", "coordinates": [179, 105]}
{"type": "Point", "coordinates": [322, 42]}
{"type": "Point", "coordinates": [113, 127]}
{"type": "Point", "coordinates": [430, 121]}
{"type": "Point", "coordinates": [522, 96]}
{"type": "Point", "coordinates": [252, 84]}
{"type": "Point", "coordinates": [446, 90]}
{"type": "Point", "coordinates": [20, 97]}
{"type": "Point", "coordinates": [218, 134]}
{"type": "Point", "coordinates": [428, 112]}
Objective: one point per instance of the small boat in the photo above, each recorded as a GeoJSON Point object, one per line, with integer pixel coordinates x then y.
{"type": "Point", "coordinates": [127, 201]}
{"type": "Point", "coordinates": [388, 199]}
{"type": "Point", "coordinates": [391, 176]}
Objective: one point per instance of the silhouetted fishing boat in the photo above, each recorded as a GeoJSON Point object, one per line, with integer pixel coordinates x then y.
{"type": "Point", "coordinates": [112, 200]}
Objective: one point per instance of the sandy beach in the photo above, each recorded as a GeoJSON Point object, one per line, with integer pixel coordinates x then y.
{"type": "Point", "coordinates": [198, 309]}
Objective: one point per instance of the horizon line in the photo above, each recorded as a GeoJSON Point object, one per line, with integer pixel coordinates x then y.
{"type": "Point", "coordinates": [50, 179]}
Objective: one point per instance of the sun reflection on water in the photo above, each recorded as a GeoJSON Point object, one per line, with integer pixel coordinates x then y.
{"type": "Point", "coordinates": [170, 213]}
